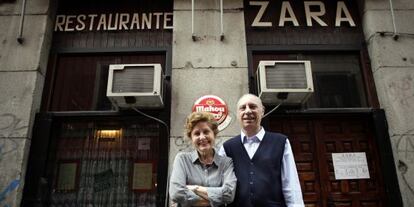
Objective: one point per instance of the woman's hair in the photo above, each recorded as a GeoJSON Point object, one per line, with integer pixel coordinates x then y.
{"type": "Point", "coordinates": [197, 117]}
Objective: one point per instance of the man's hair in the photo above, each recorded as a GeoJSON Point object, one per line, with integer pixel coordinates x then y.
{"type": "Point", "coordinates": [196, 117]}
{"type": "Point", "coordinates": [252, 96]}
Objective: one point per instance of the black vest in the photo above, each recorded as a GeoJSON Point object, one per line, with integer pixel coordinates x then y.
{"type": "Point", "coordinates": [258, 179]}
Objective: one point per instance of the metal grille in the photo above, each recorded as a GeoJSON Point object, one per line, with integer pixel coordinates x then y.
{"type": "Point", "coordinates": [133, 79]}
{"type": "Point", "coordinates": [286, 75]}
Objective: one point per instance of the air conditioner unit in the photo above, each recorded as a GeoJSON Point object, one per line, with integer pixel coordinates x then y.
{"type": "Point", "coordinates": [138, 85]}
{"type": "Point", "coordinates": [292, 77]}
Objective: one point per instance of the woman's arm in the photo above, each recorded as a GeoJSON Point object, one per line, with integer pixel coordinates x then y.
{"type": "Point", "coordinates": [223, 194]}
{"type": "Point", "coordinates": [178, 190]}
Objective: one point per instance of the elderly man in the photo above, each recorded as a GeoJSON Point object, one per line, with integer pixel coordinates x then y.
{"type": "Point", "coordinates": [263, 161]}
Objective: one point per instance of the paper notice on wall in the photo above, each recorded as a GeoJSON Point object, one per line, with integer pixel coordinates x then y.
{"type": "Point", "coordinates": [350, 165]}
{"type": "Point", "coordinates": [142, 177]}
{"type": "Point", "coordinates": [67, 176]}
{"type": "Point", "coordinates": [144, 144]}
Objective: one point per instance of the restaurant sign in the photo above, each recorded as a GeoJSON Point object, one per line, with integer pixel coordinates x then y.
{"type": "Point", "coordinates": [113, 21]}
{"type": "Point", "coordinates": [301, 13]}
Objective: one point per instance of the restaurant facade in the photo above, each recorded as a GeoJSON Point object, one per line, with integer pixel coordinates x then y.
{"type": "Point", "coordinates": [95, 94]}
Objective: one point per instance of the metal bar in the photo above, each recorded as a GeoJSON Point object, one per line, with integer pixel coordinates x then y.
{"type": "Point", "coordinates": [221, 21]}
{"type": "Point", "coordinates": [192, 20]}
{"type": "Point", "coordinates": [395, 35]}
{"type": "Point", "coordinates": [20, 37]}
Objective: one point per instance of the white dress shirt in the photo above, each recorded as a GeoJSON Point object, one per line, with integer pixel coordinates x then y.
{"type": "Point", "coordinates": [289, 176]}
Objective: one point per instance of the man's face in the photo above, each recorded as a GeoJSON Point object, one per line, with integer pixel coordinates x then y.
{"type": "Point", "coordinates": [250, 113]}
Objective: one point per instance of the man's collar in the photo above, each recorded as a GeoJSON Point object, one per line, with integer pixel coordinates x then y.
{"type": "Point", "coordinates": [259, 134]}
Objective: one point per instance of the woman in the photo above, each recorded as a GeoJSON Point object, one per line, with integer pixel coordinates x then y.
{"type": "Point", "coordinates": [202, 177]}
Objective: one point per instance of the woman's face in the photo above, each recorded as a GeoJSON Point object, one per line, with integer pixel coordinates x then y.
{"type": "Point", "coordinates": [202, 137]}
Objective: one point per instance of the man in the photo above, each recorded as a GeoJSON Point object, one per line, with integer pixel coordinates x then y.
{"type": "Point", "coordinates": [263, 161]}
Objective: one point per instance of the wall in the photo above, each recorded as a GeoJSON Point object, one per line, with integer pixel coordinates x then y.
{"type": "Point", "coordinates": [22, 69]}
{"type": "Point", "coordinates": [393, 68]}
{"type": "Point", "coordinates": [208, 65]}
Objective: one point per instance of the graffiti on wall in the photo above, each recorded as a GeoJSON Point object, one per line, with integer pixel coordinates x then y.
{"type": "Point", "coordinates": [10, 127]}
{"type": "Point", "coordinates": [181, 143]}
{"type": "Point", "coordinates": [401, 93]}
{"type": "Point", "coordinates": [4, 193]}
{"type": "Point", "coordinates": [402, 90]}
{"type": "Point", "coordinates": [405, 149]}
{"type": "Point", "coordinates": [9, 143]}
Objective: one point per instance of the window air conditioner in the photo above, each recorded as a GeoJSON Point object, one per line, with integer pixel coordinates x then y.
{"type": "Point", "coordinates": [138, 85]}
{"type": "Point", "coordinates": [292, 77]}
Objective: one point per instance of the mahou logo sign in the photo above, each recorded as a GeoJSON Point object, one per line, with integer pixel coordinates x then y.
{"type": "Point", "coordinates": [216, 106]}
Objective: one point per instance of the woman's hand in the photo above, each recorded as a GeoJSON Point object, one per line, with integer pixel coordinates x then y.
{"type": "Point", "coordinates": [202, 192]}
{"type": "Point", "coordinates": [202, 203]}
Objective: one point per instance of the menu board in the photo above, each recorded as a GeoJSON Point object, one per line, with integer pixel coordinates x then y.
{"type": "Point", "coordinates": [350, 165]}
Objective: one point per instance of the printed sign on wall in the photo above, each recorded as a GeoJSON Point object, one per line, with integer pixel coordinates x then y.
{"type": "Point", "coordinates": [350, 165]}
{"type": "Point", "coordinates": [217, 107]}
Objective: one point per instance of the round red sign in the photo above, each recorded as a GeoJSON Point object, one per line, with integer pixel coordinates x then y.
{"type": "Point", "coordinates": [216, 106]}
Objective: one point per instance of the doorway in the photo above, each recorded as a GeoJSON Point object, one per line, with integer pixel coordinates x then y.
{"type": "Point", "coordinates": [83, 152]}
{"type": "Point", "coordinates": [314, 138]}
{"type": "Point", "coordinates": [99, 160]}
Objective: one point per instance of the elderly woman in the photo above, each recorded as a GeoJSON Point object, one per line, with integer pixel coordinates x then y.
{"type": "Point", "coordinates": [202, 177]}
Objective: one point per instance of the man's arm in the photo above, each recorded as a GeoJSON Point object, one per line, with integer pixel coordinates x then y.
{"type": "Point", "coordinates": [290, 180]}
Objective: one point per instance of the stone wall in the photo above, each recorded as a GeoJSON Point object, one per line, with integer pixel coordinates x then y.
{"type": "Point", "coordinates": [392, 59]}
{"type": "Point", "coordinates": [22, 69]}
{"type": "Point", "coordinates": [207, 66]}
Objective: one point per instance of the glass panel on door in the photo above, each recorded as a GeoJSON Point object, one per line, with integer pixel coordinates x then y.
{"type": "Point", "coordinates": [105, 164]}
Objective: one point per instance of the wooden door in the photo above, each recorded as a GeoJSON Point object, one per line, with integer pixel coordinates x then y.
{"type": "Point", "coordinates": [313, 141]}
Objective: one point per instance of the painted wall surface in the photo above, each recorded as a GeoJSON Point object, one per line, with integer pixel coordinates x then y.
{"type": "Point", "coordinates": [207, 65]}
{"type": "Point", "coordinates": [393, 68]}
{"type": "Point", "coordinates": [22, 68]}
